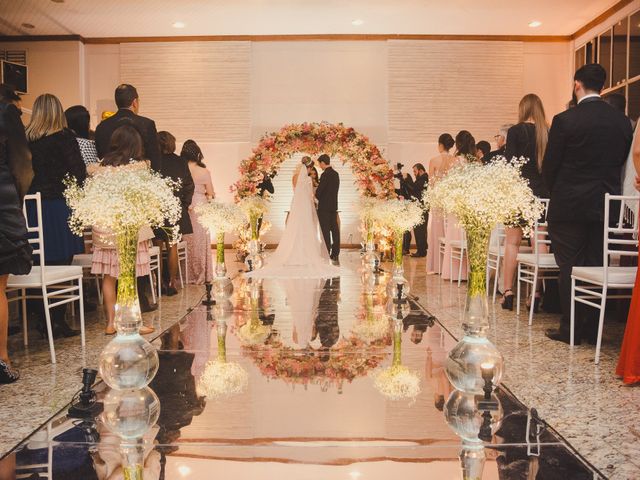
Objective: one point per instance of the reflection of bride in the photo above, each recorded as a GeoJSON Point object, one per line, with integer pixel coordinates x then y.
{"type": "Point", "coordinates": [301, 252]}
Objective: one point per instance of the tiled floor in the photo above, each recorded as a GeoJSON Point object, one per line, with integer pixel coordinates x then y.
{"type": "Point", "coordinates": [584, 402]}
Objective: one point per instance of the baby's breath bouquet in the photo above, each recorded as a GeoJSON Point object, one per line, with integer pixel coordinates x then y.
{"type": "Point", "coordinates": [254, 207]}
{"type": "Point", "coordinates": [219, 218]}
{"type": "Point", "coordinates": [122, 200]}
{"type": "Point", "coordinates": [399, 216]}
{"type": "Point", "coordinates": [397, 382]}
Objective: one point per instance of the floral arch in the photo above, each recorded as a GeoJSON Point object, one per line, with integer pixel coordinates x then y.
{"type": "Point", "coordinates": [374, 176]}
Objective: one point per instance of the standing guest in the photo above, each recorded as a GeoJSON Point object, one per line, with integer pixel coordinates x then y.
{"type": "Point", "coordinates": [78, 120]}
{"type": "Point", "coordinates": [501, 143]}
{"type": "Point", "coordinates": [527, 139]}
{"type": "Point", "coordinates": [175, 168]}
{"type": "Point", "coordinates": [629, 362]}
{"type": "Point", "coordinates": [588, 146]}
{"type": "Point", "coordinates": [126, 153]}
{"type": "Point", "coordinates": [403, 193]}
{"type": "Point", "coordinates": [483, 149]}
{"type": "Point", "coordinates": [15, 177]}
{"type": "Point", "coordinates": [619, 102]}
{"type": "Point", "coordinates": [55, 155]}
{"type": "Point", "coordinates": [435, 225]}
{"type": "Point", "coordinates": [416, 189]}
{"type": "Point", "coordinates": [199, 242]}
{"type": "Point", "coordinates": [128, 103]}
{"type": "Point", "coordinates": [465, 153]}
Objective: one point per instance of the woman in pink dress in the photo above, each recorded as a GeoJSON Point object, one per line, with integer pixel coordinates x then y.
{"type": "Point", "coordinates": [435, 226]}
{"type": "Point", "coordinates": [200, 262]}
{"type": "Point", "coordinates": [126, 153]}
{"type": "Point", "coordinates": [465, 152]}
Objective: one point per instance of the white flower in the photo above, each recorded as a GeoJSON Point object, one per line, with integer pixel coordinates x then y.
{"type": "Point", "coordinates": [219, 217]}
{"type": "Point", "coordinates": [399, 215]}
{"type": "Point", "coordinates": [222, 379]}
{"type": "Point", "coordinates": [253, 207]}
{"type": "Point", "coordinates": [397, 382]}
{"type": "Point", "coordinates": [481, 196]}
{"type": "Point", "coordinates": [120, 199]}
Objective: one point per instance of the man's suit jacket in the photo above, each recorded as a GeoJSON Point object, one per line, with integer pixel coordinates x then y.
{"type": "Point", "coordinates": [588, 146]}
{"type": "Point", "coordinates": [416, 188]}
{"type": "Point", "coordinates": [145, 126]}
{"type": "Point", "coordinates": [327, 191]}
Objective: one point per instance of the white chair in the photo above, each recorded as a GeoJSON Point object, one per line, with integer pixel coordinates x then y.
{"type": "Point", "coordinates": [155, 269]}
{"type": "Point", "coordinates": [494, 257]}
{"type": "Point", "coordinates": [442, 244]}
{"type": "Point", "coordinates": [532, 265]}
{"type": "Point", "coordinates": [459, 253]}
{"type": "Point", "coordinates": [59, 284]}
{"type": "Point", "coordinates": [183, 258]}
{"type": "Point", "coordinates": [594, 282]}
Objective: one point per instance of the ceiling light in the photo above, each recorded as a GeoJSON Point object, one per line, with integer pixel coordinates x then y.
{"type": "Point", "coordinates": [535, 24]}
{"type": "Point", "coordinates": [28, 25]}
{"type": "Point", "coordinates": [184, 470]}
{"type": "Point", "coordinates": [179, 25]}
{"type": "Point", "coordinates": [357, 22]}
{"type": "Point", "coordinates": [57, 1]}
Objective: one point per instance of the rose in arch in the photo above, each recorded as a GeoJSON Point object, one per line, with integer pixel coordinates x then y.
{"type": "Point", "coordinates": [374, 176]}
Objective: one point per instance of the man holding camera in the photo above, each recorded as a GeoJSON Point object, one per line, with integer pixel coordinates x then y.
{"type": "Point", "coordinates": [415, 189]}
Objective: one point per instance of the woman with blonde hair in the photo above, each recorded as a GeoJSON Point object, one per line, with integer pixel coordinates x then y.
{"type": "Point", "coordinates": [55, 155]}
{"type": "Point", "coordinates": [528, 140]}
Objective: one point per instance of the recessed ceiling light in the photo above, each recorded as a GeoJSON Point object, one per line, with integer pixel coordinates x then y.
{"type": "Point", "coordinates": [57, 1]}
{"type": "Point", "coordinates": [535, 24]}
{"type": "Point", "coordinates": [357, 22]}
{"type": "Point", "coordinates": [28, 25]}
{"type": "Point", "coordinates": [179, 25]}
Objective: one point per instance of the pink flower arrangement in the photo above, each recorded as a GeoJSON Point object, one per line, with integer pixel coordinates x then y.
{"type": "Point", "coordinates": [374, 176]}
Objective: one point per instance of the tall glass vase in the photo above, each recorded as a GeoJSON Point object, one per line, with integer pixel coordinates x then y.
{"type": "Point", "coordinates": [370, 259]}
{"type": "Point", "coordinates": [254, 260]}
{"type": "Point", "coordinates": [128, 361]}
{"type": "Point", "coordinates": [221, 268]}
{"type": "Point", "coordinates": [474, 352]}
{"type": "Point", "coordinates": [398, 286]}
{"type": "Point", "coordinates": [222, 285]}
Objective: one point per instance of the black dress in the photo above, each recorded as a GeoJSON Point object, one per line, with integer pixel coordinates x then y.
{"type": "Point", "coordinates": [176, 168]}
{"type": "Point", "coordinates": [521, 142]}
{"type": "Point", "coordinates": [15, 166]}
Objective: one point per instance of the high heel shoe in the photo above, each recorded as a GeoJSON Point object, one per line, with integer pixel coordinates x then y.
{"type": "Point", "coordinates": [536, 304]}
{"type": "Point", "coordinates": [8, 374]}
{"type": "Point", "coordinates": [507, 300]}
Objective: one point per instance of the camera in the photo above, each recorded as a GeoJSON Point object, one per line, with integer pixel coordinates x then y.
{"type": "Point", "coordinates": [399, 166]}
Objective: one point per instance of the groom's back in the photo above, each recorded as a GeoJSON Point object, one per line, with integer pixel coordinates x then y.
{"type": "Point", "coordinates": [328, 190]}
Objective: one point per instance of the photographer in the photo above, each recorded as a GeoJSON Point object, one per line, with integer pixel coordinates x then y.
{"type": "Point", "coordinates": [415, 189]}
{"type": "Point", "coordinates": [264, 187]}
{"type": "Point", "coordinates": [403, 193]}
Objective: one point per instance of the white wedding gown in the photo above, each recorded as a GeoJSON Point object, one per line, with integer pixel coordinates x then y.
{"type": "Point", "coordinates": [301, 252]}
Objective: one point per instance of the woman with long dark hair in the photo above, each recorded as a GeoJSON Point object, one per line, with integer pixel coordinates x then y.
{"type": "Point", "coordinates": [126, 153]}
{"type": "Point", "coordinates": [527, 139]}
{"type": "Point", "coordinates": [78, 121]}
{"type": "Point", "coordinates": [199, 242]}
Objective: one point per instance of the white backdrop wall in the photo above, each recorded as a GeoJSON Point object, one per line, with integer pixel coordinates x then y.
{"type": "Point", "coordinates": [225, 95]}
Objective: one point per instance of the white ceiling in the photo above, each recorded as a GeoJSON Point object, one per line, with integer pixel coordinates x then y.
{"type": "Point", "coordinates": [128, 18]}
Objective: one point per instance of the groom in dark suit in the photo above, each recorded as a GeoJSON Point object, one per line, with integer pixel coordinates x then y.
{"type": "Point", "coordinates": [587, 148]}
{"type": "Point", "coordinates": [327, 195]}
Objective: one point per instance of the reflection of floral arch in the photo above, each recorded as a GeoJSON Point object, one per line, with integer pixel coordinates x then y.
{"type": "Point", "coordinates": [374, 176]}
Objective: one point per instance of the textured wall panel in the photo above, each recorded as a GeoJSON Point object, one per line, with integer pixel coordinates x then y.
{"type": "Point", "coordinates": [198, 90]}
{"type": "Point", "coordinates": [444, 86]}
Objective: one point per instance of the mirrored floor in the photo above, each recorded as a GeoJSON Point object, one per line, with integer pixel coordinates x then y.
{"type": "Point", "coordinates": [291, 378]}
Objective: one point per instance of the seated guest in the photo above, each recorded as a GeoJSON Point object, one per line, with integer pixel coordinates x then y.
{"type": "Point", "coordinates": [199, 242]}
{"type": "Point", "coordinates": [126, 152]}
{"type": "Point", "coordinates": [527, 139]}
{"type": "Point", "coordinates": [15, 251]}
{"type": "Point", "coordinates": [78, 120]}
{"type": "Point", "coordinates": [176, 168]}
{"type": "Point", "coordinates": [55, 155]}
{"type": "Point", "coordinates": [128, 103]}
{"type": "Point", "coordinates": [501, 143]}
{"type": "Point", "coordinates": [587, 148]}
{"type": "Point", "coordinates": [483, 148]}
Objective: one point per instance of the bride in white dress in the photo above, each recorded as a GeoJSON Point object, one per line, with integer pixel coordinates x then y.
{"type": "Point", "coordinates": [301, 252]}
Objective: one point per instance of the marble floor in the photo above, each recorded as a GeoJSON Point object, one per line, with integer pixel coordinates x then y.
{"type": "Point", "coordinates": [582, 401]}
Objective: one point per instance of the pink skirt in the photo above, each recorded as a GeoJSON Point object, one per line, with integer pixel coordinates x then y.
{"type": "Point", "coordinates": [105, 261]}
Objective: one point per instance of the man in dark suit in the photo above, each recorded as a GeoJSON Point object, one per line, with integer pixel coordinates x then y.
{"type": "Point", "coordinates": [501, 144]}
{"type": "Point", "coordinates": [587, 148]}
{"type": "Point", "coordinates": [128, 102]}
{"type": "Point", "coordinates": [416, 189]}
{"type": "Point", "coordinates": [327, 195]}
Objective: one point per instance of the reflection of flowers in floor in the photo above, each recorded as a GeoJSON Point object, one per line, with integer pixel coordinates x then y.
{"type": "Point", "coordinates": [323, 367]}
{"type": "Point", "coordinates": [222, 379]}
{"type": "Point", "coordinates": [397, 382]}
{"type": "Point", "coordinates": [372, 325]}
